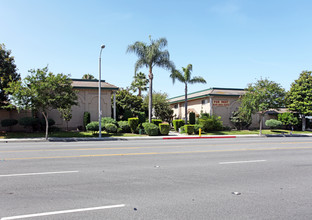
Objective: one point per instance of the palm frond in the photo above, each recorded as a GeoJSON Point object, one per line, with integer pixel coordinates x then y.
{"type": "Point", "coordinates": [176, 74]}
{"type": "Point", "coordinates": [197, 79]}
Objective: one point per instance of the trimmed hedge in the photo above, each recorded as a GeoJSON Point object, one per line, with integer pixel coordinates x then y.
{"type": "Point", "coordinates": [133, 123]}
{"type": "Point", "coordinates": [156, 121]}
{"type": "Point", "coordinates": [86, 118]}
{"type": "Point", "coordinates": [192, 118]}
{"type": "Point", "coordinates": [213, 123]}
{"type": "Point", "coordinates": [28, 121]}
{"type": "Point", "coordinates": [93, 126]}
{"type": "Point", "coordinates": [8, 122]}
{"type": "Point", "coordinates": [177, 124]}
{"type": "Point", "coordinates": [124, 126]}
{"type": "Point", "coordinates": [108, 120]}
{"type": "Point", "coordinates": [189, 129]}
{"type": "Point", "coordinates": [110, 128]}
{"type": "Point", "coordinates": [150, 128]}
{"type": "Point", "coordinates": [272, 123]}
{"type": "Point", "coordinates": [164, 128]}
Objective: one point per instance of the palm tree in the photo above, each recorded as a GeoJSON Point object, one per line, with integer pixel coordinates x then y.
{"type": "Point", "coordinates": [88, 76]}
{"type": "Point", "coordinates": [185, 78]}
{"type": "Point", "coordinates": [149, 56]}
{"type": "Point", "coordinates": [139, 83]}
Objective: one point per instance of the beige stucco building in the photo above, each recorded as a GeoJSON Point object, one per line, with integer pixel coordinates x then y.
{"type": "Point", "coordinates": [88, 95]}
{"type": "Point", "coordinates": [87, 92]}
{"type": "Point", "coordinates": [215, 101]}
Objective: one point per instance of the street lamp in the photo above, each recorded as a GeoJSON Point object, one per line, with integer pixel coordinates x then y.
{"type": "Point", "coordinates": [100, 111]}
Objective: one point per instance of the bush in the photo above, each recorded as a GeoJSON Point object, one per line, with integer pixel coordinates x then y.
{"type": "Point", "coordinates": [93, 126]}
{"type": "Point", "coordinates": [29, 122]}
{"type": "Point", "coordinates": [8, 122]}
{"type": "Point", "coordinates": [164, 128]}
{"type": "Point", "coordinates": [86, 118]}
{"type": "Point", "coordinates": [192, 118]}
{"type": "Point", "coordinates": [124, 126]}
{"type": "Point", "coordinates": [211, 123]}
{"type": "Point", "coordinates": [189, 129]}
{"type": "Point", "coordinates": [272, 123]}
{"type": "Point", "coordinates": [133, 123]}
{"type": "Point", "coordinates": [51, 122]}
{"type": "Point", "coordinates": [156, 121]}
{"type": "Point", "coordinates": [197, 127]}
{"type": "Point", "coordinates": [182, 130]}
{"type": "Point", "coordinates": [110, 128]}
{"type": "Point", "coordinates": [108, 120]}
{"type": "Point", "coordinates": [126, 115]}
{"type": "Point", "coordinates": [150, 128]}
{"type": "Point", "coordinates": [177, 124]}
{"type": "Point", "coordinates": [142, 117]}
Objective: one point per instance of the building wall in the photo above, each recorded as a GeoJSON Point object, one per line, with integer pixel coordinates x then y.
{"type": "Point", "coordinates": [13, 114]}
{"type": "Point", "coordinates": [87, 102]}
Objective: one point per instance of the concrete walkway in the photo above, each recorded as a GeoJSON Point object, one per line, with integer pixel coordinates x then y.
{"type": "Point", "coordinates": [171, 136]}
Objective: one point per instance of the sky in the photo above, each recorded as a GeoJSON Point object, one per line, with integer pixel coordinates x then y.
{"type": "Point", "coordinates": [230, 43]}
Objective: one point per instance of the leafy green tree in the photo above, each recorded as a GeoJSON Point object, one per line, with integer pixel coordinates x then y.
{"type": "Point", "coordinates": [161, 106]}
{"type": "Point", "coordinates": [241, 120]}
{"type": "Point", "coordinates": [88, 76]}
{"type": "Point", "coordinates": [7, 73]}
{"type": "Point", "coordinates": [185, 77]}
{"type": "Point", "coordinates": [149, 56]}
{"type": "Point", "coordinates": [260, 97]}
{"type": "Point", "coordinates": [139, 83]}
{"type": "Point", "coordinates": [127, 102]}
{"type": "Point", "coordinates": [42, 91]}
{"type": "Point", "coordinates": [299, 97]}
{"type": "Point", "coordinates": [66, 114]}
{"type": "Point", "coordinates": [288, 119]}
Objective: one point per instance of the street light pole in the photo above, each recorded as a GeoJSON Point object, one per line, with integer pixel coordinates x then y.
{"type": "Point", "coordinates": [100, 111]}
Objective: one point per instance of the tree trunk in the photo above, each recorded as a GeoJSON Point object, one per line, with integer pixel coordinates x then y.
{"type": "Point", "coordinates": [303, 122]}
{"type": "Point", "coordinates": [140, 93]}
{"type": "Point", "coordinates": [47, 124]}
{"type": "Point", "coordinates": [260, 129]}
{"type": "Point", "coordinates": [150, 100]}
{"type": "Point", "coordinates": [185, 104]}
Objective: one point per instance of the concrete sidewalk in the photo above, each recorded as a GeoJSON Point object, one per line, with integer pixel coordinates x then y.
{"type": "Point", "coordinates": [171, 136]}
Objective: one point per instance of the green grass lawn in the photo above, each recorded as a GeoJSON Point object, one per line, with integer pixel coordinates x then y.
{"type": "Point", "coordinates": [104, 134]}
{"type": "Point", "coordinates": [62, 134]}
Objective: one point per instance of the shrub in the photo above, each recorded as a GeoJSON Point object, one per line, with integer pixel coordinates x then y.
{"type": "Point", "coordinates": [211, 123]}
{"type": "Point", "coordinates": [142, 117]}
{"type": "Point", "coordinates": [93, 126]}
{"type": "Point", "coordinates": [124, 126]}
{"type": "Point", "coordinates": [126, 115]}
{"type": "Point", "coordinates": [272, 123]}
{"type": "Point", "coordinates": [177, 124]}
{"type": "Point", "coordinates": [189, 129]}
{"type": "Point", "coordinates": [108, 120]}
{"type": "Point", "coordinates": [197, 127]}
{"type": "Point", "coordinates": [133, 123]}
{"type": "Point", "coordinates": [192, 118]}
{"type": "Point", "coordinates": [150, 128]}
{"type": "Point", "coordinates": [164, 128]}
{"type": "Point", "coordinates": [182, 130]}
{"type": "Point", "coordinates": [8, 122]}
{"type": "Point", "coordinates": [156, 121]}
{"type": "Point", "coordinates": [86, 118]}
{"type": "Point", "coordinates": [28, 122]}
{"type": "Point", "coordinates": [110, 128]}
{"type": "Point", "coordinates": [51, 122]}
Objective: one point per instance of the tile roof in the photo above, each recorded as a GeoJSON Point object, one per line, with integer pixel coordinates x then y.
{"type": "Point", "coordinates": [209, 92]}
{"type": "Point", "coordinates": [92, 84]}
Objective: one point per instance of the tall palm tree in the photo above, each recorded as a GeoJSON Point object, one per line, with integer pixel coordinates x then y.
{"type": "Point", "coordinates": [88, 76]}
{"type": "Point", "coordinates": [139, 83]}
{"type": "Point", "coordinates": [149, 56]}
{"type": "Point", "coordinates": [185, 78]}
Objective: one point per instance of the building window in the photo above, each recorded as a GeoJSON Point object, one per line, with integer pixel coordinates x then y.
{"type": "Point", "coordinates": [176, 106]}
{"type": "Point", "coordinates": [204, 101]}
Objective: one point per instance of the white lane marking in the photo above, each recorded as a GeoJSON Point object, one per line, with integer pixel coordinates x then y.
{"type": "Point", "coordinates": [63, 212]}
{"type": "Point", "coordinates": [33, 174]}
{"type": "Point", "coordinates": [247, 161]}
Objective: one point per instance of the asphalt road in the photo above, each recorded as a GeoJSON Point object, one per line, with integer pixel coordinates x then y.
{"type": "Point", "coordinates": [258, 178]}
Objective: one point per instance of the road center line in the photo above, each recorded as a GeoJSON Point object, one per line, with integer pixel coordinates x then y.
{"type": "Point", "coordinates": [33, 174]}
{"type": "Point", "coordinates": [63, 212]}
{"type": "Point", "coordinates": [247, 161]}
